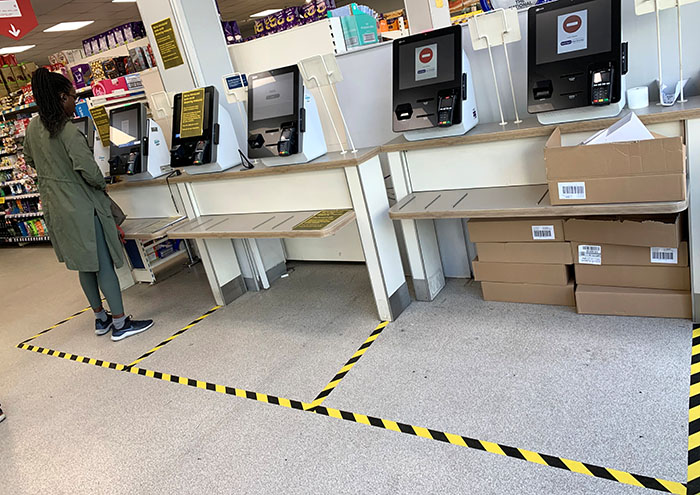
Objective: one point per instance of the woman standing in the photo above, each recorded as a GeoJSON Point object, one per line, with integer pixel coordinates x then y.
{"type": "Point", "coordinates": [76, 208]}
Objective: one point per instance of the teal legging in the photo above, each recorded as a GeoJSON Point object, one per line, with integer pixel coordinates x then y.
{"type": "Point", "coordinates": [106, 279]}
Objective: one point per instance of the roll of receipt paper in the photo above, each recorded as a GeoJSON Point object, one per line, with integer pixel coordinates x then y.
{"type": "Point", "coordinates": [638, 97]}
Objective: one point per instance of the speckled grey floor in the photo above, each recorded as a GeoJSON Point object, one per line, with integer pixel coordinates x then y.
{"type": "Point", "coordinates": [610, 391]}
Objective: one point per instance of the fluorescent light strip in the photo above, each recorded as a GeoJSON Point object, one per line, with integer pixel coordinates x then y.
{"type": "Point", "coordinates": [264, 13]}
{"type": "Point", "coordinates": [15, 49]}
{"type": "Point", "coordinates": [68, 26]}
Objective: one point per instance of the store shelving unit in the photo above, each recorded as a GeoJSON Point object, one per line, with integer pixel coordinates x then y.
{"type": "Point", "coordinates": [11, 212]}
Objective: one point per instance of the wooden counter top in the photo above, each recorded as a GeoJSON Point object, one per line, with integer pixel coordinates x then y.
{"type": "Point", "coordinates": [329, 161]}
{"type": "Point", "coordinates": [509, 202]}
{"type": "Point", "coordinates": [530, 127]}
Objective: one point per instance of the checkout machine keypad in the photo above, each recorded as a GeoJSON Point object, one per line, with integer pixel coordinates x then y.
{"type": "Point", "coordinates": [601, 87]}
{"type": "Point", "coordinates": [446, 110]}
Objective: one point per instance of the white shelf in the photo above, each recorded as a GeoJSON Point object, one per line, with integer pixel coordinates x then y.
{"type": "Point", "coordinates": [119, 51]}
{"type": "Point", "coordinates": [23, 196]}
{"type": "Point", "coordinates": [25, 215]}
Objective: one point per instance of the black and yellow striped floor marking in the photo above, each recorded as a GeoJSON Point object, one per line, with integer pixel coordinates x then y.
{"type": "Point", "coordinates": [385, 424]}
{"type": "Point", "coordinates": [175, 335]}
{"type": "Point", "coordinates": [348, 366]}
{"type": "Point", "coordinates": [694, 417]}
{"type": "Point", "coordinates": [74, 315]}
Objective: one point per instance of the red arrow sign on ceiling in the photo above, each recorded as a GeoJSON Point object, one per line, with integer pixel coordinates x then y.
{"type": "Point", "coordinates": [17, 18]}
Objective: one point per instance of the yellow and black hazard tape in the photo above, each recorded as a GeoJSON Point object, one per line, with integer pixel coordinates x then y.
{"type": "Point", "coordinates": [175, 335]}
{"type": "Point", "coordinates": [74, 315]}
{"type": "Point", "coordinates": [694, 417]}
{"type": "Point", "coordinates": [348, 366]}
{"type": "Point", "coordinates": [458, 440]}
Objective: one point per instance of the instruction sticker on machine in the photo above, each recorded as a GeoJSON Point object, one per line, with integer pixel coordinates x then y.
{"type": "Point", "coordinates": [101, 120]}
{"type": "Point", "coordinates": [590, 255]}
{"type": "Point", "coordinates": [192, 116]}
{"type": "Point", "coordinates": [426, 62]}
{"type": "Point", "coordinates": [572, 190]}
{"type": "Point", "coordinates": [572, 32]}
{"type": "Point", "coordinates": [666, 256]}
{"type": "Point", "coordinates": [167, 43]}
{"type": "Point", "coordinates": [320, 220]}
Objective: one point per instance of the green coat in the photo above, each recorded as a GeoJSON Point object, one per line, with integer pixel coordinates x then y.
{"type": "Point", "coordinates": [72, 189]}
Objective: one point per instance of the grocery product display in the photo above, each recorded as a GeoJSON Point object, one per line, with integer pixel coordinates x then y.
{"type": "Point", "coordinates": [21, 215]}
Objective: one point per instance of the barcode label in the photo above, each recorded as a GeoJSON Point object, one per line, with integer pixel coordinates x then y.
{"type": "Point", "coordinates": [667, 256]}
{"type": "Point", "coordinates": [572, 190]}
{"type": "Point", "coordinates": [542, 232]}
{"type": "Point", "coordinates": [369, 37]}
{"type": "Point", "coordinates": [590, 255]}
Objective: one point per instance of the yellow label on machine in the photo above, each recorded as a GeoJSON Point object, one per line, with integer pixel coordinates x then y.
{"type": "Point", "coordinates": [101, 120]}
{"type": "Point", "coordinates": [2, 200]}
{"type": "Point", "coordinates": [192, 113]}
{"type": "Point", "coordinates": [167, 43]}
{"type": "Point", "coordinates": [320, 220]}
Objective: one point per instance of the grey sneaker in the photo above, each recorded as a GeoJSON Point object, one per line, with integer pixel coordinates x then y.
{"type": "Point", "coordinates": [131, 327]}
{"type": "Point", "coordinates": [103, 327]}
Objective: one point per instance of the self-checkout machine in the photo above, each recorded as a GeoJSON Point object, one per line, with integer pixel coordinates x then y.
{"type": "Point", "coordinates": [577, 60]}
{"type": "Point", "coordinates": [284, 127]}
{"type": "Point", "coordinates": [433, 88]}
{"type": "Point", "coordinates": [433, 97]}
{"type": "Point", "coordinates": [138, 149]}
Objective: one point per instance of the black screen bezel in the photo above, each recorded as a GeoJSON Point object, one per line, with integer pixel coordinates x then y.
{"type": "Point", "coordinates": [275, 121]}
{"type": "Point", "coordinates": [579, 64]}
{"type": "Point", "coordinates": [411, 95]}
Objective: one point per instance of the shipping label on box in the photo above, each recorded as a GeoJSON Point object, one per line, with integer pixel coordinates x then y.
{"type": "Point", "coordinates": [666, 256]}
{"type": "Point", "coordinates": [590, 255]}
{"type": "Point", "coordinates": [543, 233]}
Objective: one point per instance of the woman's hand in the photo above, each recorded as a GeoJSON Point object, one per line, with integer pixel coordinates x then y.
{"type": "Point", "coordinates": [122, 235]}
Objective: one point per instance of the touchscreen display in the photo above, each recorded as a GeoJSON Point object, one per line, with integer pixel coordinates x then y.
{"type": "Point", "coordinates": [125, 128]}
{"type": "Point", "coordinates": [423, 63]}
{"type": "Point", "coordinates": [577, 31]}
{"type": "Point", "coordinates": [273, 96]}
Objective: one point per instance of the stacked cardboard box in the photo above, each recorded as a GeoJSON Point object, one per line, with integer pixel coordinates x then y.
{"type": "Point", "coordinates": [631, 266]}
{"type": "Point", "coordinates": [523, 260]}
{"type": "Point", "coordinates": [630, 172]}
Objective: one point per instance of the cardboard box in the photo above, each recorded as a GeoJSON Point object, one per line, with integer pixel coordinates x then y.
{"type": "Point", "coordinates": [660, 156]}
{"type": "Point", "coordinates": [516, 230]}
{"type": "Point", "coordinates": [658, 231]}
{"type": "Point", "coordinates": [557, 295]}
{"type": "Point", "coordinates": [611, 254]}
{"type": "Point", "coordinates": [521, 273]}
{"type": "Point", "coordinates": [633, 302]}
{"type": "Point", "coordinates": [634, 172]}
{"type": "Point", "coordinates": [557, 253]}
{"type": "Point", "coordinates": [643, 277]}
{"type": "Point", "coordinates": [604, 190]}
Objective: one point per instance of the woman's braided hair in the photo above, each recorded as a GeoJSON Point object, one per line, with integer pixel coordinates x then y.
{"type": "Point", "coordinates": [48, 88]}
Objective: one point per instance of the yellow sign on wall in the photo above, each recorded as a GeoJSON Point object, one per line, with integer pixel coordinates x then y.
{"type": "Point", "coordinates": [167, 43]}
